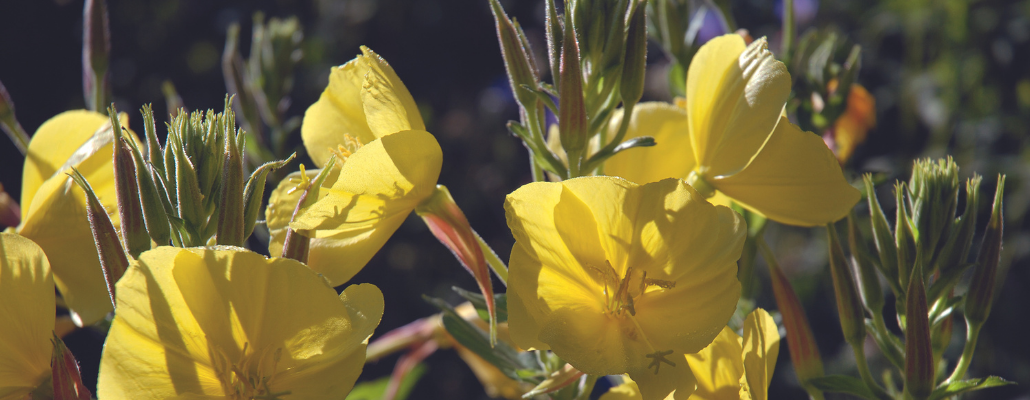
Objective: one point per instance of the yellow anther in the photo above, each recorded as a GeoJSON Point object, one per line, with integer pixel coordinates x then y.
{"type": "Point", "coordinates": [627, 288]}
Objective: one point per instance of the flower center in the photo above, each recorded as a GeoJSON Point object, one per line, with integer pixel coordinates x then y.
{"type": "Point", "coordinates": [249, 377]}
{"type": "Point", "coordinates": [698, 182]}
{"type": "Point", "coordinates": [619, 293]}
{"type": "Point", "coordinates": [349, 146]}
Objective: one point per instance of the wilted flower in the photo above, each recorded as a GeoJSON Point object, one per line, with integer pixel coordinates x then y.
{"type": "Point", "coordinates": [732, 141]}
{"type": "Point", "coordinates": [226, 322]}
{"type": "Point", "coordinates": [618, 278]}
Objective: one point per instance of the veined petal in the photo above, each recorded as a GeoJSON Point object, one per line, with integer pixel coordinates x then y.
{"type": "Point", "coordinates": [388, 105]}
{"type": "Point", "coordinates": [794, 179]}
{"type": "Point", "coordinates": [719, 367]}
{"type": "Point", "coordinates": [734, 97]}
{"type": "Point", "coordinates": [56, 140]}
{"type": "Point", "coordinates": [761, 346]}
{"type": "Point", "coordinates": [379, 185]}
{"type": "Point", "coordinates": [27, 306]}
{"type": "Point", "coordinates": [672, 157]}
{"type": "Point", "coordinates": [194, 314]}
{"type": "Point", "coordinates": [338, 112]}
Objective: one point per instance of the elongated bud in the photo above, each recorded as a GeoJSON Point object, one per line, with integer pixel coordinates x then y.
{"type": "Point", "coordinates": [933, 191]}
{"type": "Point", "coordinates": [904, 240]}
{"type": "Point", "coordinates": [112, 255]}
{"type": "Point", "coordinates": [952, 260]}
{"type": "Point", "coordinates": [190, 200]}
{"type": "Point", "coordinates": [134, 231]}
{"type": "Point", "coordinates": [981, 288]}
{"type": "Point", "coordinates": [559, 379]}
{"type": "Point", "coordinates": [865, 272]}
{"type": "Point", "coordinates": [804, 354]}
{"type": "Point", "coordinates": [849, 306]}
{"type": "Point", "coordinates": [154, 154]}
{"type": "Point", "coordinates": [9, 123]}
{"type": "Point", "coordinates": [633, 69]}
{"type": "Point", "coordinates": [555, 37]}
{"type": "Point", "coordinates": [572, 118]}
{"type": "Point", "coordinates": [96, 46]}
{"type": "Point", "coordinates": [919, 367]}
{"type": "Point", "coordinates": [451, 228]}
{"type": "Point", "coordinates": [65, 374]}
{"type": "Point", "coordinates": [517, 59]}
{"type": "Point", "coordinates": [152, 195]}
{"type": "Point", "coordinates": [255, 191]}
{"type": "Point", "coordinates": [882, 235]}
{"type": "Point", "coordinates": [230, 208]}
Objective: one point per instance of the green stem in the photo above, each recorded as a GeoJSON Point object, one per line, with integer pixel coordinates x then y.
{"type": "Point", "coordinates": [863, 370]}
{"type": "Point", "coordinates": [534, 168]}
{"type": "Point", "coordinates": [495, 262]}
{"type": "Point", "coordinates": [972, 334]}
{"type": "Point", "coordinates": [789, 28]}
{"type": "Point", "coordinates": [881, 329]}
{"type": "Point", "coordinates": [17, 135]}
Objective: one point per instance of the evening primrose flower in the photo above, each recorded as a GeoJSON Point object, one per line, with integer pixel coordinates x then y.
{"type": "Point", "coordinates": [54, 209]}
{"type": "Point", "coordinates": [731, 141]}
{"type": "Point", "coordinates": [228, 323]}
{"type": "Point", "coordinates": [390, 164]}
{"type": "Point", "coordinates": [27, 307]}
{"type": "Point", "coordinates": [619, 278]}
{"type": "Point", "coordinates": [732, 367]}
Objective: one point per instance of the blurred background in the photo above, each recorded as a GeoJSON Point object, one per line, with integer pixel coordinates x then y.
{"type": "Point", "coordinates": [948, 77]}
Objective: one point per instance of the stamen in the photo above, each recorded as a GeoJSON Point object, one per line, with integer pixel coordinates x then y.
{"type": "Point", "coordinates": [349, 146]}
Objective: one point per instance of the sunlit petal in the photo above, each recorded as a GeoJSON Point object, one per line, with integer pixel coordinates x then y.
{"type": "Point", "coordinates": [672, 157]}
{"type": "Point", "coordinates": [27, 306]}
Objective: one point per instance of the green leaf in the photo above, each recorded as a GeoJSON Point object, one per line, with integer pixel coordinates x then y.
{"type": "Point", "coordinates": [478, 301]}
{"type": "Point", "coordinates": [374, 390]}
{"type": "Point", "coordinates": [842, 384]}
{"type": "Point", "coordinates": [968, 385]}
{"type": "Point", "coordinates": [502, 356]}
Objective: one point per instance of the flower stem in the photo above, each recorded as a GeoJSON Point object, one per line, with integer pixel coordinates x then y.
{"type": "Point", "coordinates": [863, 370]}
{"type": "Point", "coordinates": [972, 334]}
{"type": "Point", "coordinates": [495, 262]}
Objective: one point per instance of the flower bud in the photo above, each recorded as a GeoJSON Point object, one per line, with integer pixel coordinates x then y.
{"type": "Point", "coordinates": [849, 306]}
{"type": "Point", "coordinates": [96, 45]}
{"type": "Point", "coordinates": [981, 288]}
{"type": "Point", "coordinates": [572, 118]}
{"type": "Point", "coordinates": [632, 88]}
{"type": "Point", "coordinates": [152, 194]}
{"type": "Point", "coordinates": [865, 273]}
{"type": "Point", "coordinates": [9, 123]}
{"type": "Point", "coordinates": [10, 212]}
{"type": "Point", "coordinates": [190, 201]}
{"type": "Point", "coordinates": [804, 354]}
{"type": "Point", "coordinates": [555, 36]}
{"type": "Point", "coordinates": [933, 195]}
{"type": "Point", "coordinates": [883, 238]}
{"type": "Point", "coordinates": [903, 237]}
{"type": "Point", "coordinates": [112, 255]}
{"type": "Point", "coordinates": [940, 336]}
{"type": "Point", "coordinates": [65, 376]}
{"type": "Point", "coordinates": [255, 191]}
{"type": "Point", "coordinates": [230, 207]}
{"type": "Point", "coordinates": [952, 260]}
{"type": "Point", "coordinates": [919, 366]}
{"type": "Point", "coordinates": [517, 57]}
{"type": "Point", "coordinates": [452, 229]}
{"type": "Point", "coordinates": [134, 232]}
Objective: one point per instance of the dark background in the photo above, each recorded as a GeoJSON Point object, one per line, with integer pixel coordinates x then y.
{"type": "Point", "coordinates": [967, 94]}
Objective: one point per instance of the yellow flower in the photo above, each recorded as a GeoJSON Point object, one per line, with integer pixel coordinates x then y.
{"type": "Point", "coordinates": [229, 323]}
{"type": "Point", "coordinates": [54, 209]}
{"type": "Point", "coordinates": [732, 141]}
{"type": "Point", "coordinates": [618, 278]}
{"type": "Point", "coordinates": [732, 367]}
{"type": "Point", "coordinates": [27, 309]}
{"type": "Point", "coordinates": [390, 164]}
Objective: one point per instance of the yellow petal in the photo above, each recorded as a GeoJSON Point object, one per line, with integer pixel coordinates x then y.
{"type": "Point", "coordinates": [794, 179]}
{"type": "Point", "coordinates": [734, 98]}
{"type": "Point", "coordinates": [719, 367]}
{"type": "Point", "coordinates": [761, 347]}
{"type": "Point", "coordinates": [672, 157]}
{"type": "Point", "coordinates": [27, 307]}
{"type": "Point", "coordinates": [388, 105]}
{"type": "Point", "coordinates": [671, 382]}
{"type": "Point", "coordinates": [282, 203]}
{"type": "Point", "coordinates": [567, 233]}
{"type": "Point", "coordinates": [337, 112]}
{"type": "Point", "coordinates": [192, 313]}
{"type": "Point", "coordinates": [378, 187]}
{"type": "Point", "coordinates": [56, 140]}
{"type": "Point", "coordinates": [626, 391]}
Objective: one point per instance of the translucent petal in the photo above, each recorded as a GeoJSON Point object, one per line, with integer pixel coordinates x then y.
{"type": "Point", "coordinates": [734, 97]}
{"type": "Point", "coordinates": [718, 368]}
{"type": "Point", "coordinates": [795, 180]}
{"type": "Point", "coordinates": [388, 105]}
{"type": "Point", "coordinates": [56, 140]}
{"type": "Point", "coordinates": [338, 112]}
{"type": "Point", "coordinates": [670, 382]}
{"type": "Point", "coordinates": [672, 157]}
{"type": "Point", "coordinates": [761, 343]}
{"type": "Point", "coordinates": [27, 306]}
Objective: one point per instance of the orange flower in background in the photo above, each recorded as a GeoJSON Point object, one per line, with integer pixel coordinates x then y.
{"type": "Point", "coordinates": [851, 128]}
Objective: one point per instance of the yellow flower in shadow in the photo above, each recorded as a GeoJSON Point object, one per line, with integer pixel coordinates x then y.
{"type": "Point", "coordinates": [229, 323]}
{"type": "Point", "coordinates": [731, 141]}
{"type": "Point", "coordinates": [732, 367]}
{"type": "Point", "coordinates": [390, 164]}
{"type": "Point", "coordinates": [54, 209]}
{"type": "Point", "coordinates": [618, 278]}
{"type": "Point", "coordinates": [27, 309]}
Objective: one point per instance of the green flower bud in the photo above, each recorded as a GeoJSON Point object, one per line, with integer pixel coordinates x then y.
{"type": "Point", "coordinates": [96, 45]}
{"type": "Point", "coordinates": [952, 260]}
{"type": "Point", "coordinates": [230, 207]}
{"type": "Point", "coordinates": [981, 289]}
{"type": "Point", "coordinates": [518, 59]}
{"type": "Point", "coordinates": [865, 273]}
{"type": "Point", "coordinates": [933, 197]}
{"type": "Point", "coordinates": [255, 191]}
{"type": "Point", "coordinates": [572, 118]}
{"type": "Point", "coordinates": [9, 123]}
{"type": "Point", "coordinates": [112, 255]}
{"type": "Point", "coordinates": [883, 237]}
{"type": "Point", "coordinates": [555, 39]}
{"type": "Point", "coordinates": [633, 70]}
{"type": "Point", "coordinates": [919, 366]}
{"type": "Point", "coordinates": [134, 232]}
{"type": "Point", "coordinates": [903, 236]}
{"type": "Point", "coordinates": [849, 306]}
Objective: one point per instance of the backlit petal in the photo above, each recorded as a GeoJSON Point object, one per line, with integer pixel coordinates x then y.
{"type": "Point", "coordinates": [761, 347]}
{"type": "Point", "coordinates": [27, 307]}
{"type": "Point", "coordinates": [337, 112]}
{"type": "Point", "coordinates": [672, 157]}
{"type": "Point", "coordinates": [718, 367]}
{"type": "Point", "coordinates": [56, 140]}
{"type": "Point", "coordinates": [734, 97]}
{"type": "Point", "coordinates": [378, 187]}
{"type": "Point", "coordinates": [388, 105]}
{"type": "Point", "coordinates": [795, 180]}
{"type": "Point", "coordinates": [671, 382]}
